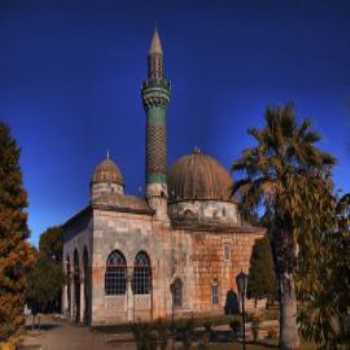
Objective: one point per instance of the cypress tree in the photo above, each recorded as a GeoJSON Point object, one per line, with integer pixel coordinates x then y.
{"type": "Point", "coordinates": [16, 255]}
{"type": "Point", "coordinates": [262, 280]}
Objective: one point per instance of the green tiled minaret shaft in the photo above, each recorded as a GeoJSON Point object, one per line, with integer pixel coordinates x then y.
{"type": "Point", "coordinates": [156, 96]}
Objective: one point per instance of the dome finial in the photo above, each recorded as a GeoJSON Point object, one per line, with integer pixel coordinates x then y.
{"type": "Point", "coordinates": [196, 150]}
{"type": "Point", "coordinates": [107, 155]}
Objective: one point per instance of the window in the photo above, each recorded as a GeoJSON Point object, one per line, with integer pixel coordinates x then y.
{"type": "Point", "coordinates": [227, 252]}
{"type": "Point", "coordinates": [142, 274]}
{"type": "Point", "coordinates": [215, 293]}
{"type": "Point", "coordinates": [115, 278]}
{"type": "Point", "coordinates": [176, 290]}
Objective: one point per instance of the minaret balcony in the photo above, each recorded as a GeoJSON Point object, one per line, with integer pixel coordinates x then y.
{"type": "Point", "coordinates": [163, 83]}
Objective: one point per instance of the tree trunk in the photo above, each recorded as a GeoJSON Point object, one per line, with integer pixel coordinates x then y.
{"type": "Point", "coordinates": [289, 337]}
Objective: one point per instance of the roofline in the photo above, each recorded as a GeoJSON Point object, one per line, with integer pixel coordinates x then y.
{"type": "Point", "coordinates": [108, 207]}
{"type": "Point", "coordinates": [71, 221]}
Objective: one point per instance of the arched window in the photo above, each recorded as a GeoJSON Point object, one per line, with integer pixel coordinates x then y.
{"type": "Point", "coordinates": [176, 290]}
{"type": "Point", "coordinates": [115, 278]}
{"type": "Point", "coordinates": [142, 282]}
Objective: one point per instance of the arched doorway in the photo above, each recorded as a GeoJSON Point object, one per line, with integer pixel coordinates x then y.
{"type": "Point", "coordinates": [69, 295]}
{"type": "Point", "coordinates": [76, 286]}
{"type": "Point", "coordinates": [86, 286]}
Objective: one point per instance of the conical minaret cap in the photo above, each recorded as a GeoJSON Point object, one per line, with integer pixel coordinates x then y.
{"type": "Point", "coordinates": [156, 46]}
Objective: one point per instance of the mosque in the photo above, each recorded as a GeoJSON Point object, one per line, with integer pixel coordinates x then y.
{"type": "Point", "coordinates": [174, 253]}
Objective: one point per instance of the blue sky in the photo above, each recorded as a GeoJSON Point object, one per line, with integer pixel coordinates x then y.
{"type": "Point", "coordinates": [71, 73]}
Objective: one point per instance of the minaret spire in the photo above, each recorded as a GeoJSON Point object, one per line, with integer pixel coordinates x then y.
{"type": "Point", "coordinates": [156, 46]}
{"type": "Point", "coordinates": [155, 97]}
{"type": "Point", "coordinates": [155, 58]}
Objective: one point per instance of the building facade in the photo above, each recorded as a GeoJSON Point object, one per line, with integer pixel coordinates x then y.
{"type": "Point", "coordinates": [175, 252]}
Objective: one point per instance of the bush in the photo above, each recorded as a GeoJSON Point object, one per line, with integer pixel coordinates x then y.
{"type": "Point", "coordinates": [235, 325]}
{"type": "Point", "coordinates": [271, 314]}
{"type": "Point", "coordinates": [209, 332]}
{"type": "Point", "coordinates": [208, 325]}
{"type": "Point", "coordinates": [163, 333]}
{"type": "Point", "coordinates": [271, 333]}
{"type": "Point", "coordinates": [256, 320]}
{"type": "Point", "coordinates": [185, 330]}
{"type": "Point", "coordinates": [144, 336]}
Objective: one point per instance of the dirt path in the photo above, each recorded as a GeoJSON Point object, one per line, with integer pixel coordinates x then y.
{"type": "Point", "coordinates": [61, 335]}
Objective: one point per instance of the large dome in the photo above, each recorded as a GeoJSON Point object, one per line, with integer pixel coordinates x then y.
{"type": "Point", "coordinates": [199, 176]}
{"type": "Point", "coordinates": [107, 171]}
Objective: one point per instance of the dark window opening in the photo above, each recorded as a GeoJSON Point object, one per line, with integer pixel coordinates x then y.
{"type": "Point", "coordinates": [215, 294]}
{"type": "Point", "coordinates": [176, 289]}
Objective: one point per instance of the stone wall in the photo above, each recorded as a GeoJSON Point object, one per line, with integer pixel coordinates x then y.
{"type": "Point", "coordinates": [101, 188]}
{"type": "Point", "coordinates": [129, 233]}
{"type": "Point", "coordinates": [218, 258]}
{"type": "Point", "coordinates": [79, 242]}
{"type": "Point", "coordinates": [205, 211]}
{"type": "Point", "coordinates": [199, 259]}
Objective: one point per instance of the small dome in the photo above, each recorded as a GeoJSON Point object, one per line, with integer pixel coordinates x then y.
{"type": "Point", "coordinates": [199, 176]}
{"type": "Point", "coordinates": [107, 171]}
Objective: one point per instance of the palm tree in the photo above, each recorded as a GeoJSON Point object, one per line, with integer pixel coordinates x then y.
{"type": "Point", "coordinates": [276, 173]}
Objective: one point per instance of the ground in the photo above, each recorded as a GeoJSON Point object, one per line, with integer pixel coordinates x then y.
{"type": "Point", "coordinates": [57, 334]}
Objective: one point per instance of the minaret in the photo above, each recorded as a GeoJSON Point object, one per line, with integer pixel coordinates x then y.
{"type": "Point", "coordinates": [156, 96]}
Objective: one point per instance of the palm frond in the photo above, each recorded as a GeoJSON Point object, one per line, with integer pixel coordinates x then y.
{"type": "Point", "coordinates": [240, 185]}
{"type": "Point", "coordinates": [311, 137]}
{"type": "Point", "coordinates": [305, 125]}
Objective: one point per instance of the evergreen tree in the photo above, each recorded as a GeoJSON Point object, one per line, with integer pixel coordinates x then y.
{"type": "Point", "coordinates": [51, 243]}
{"type": "Point", "coordinates": [45, 283]}
{"type": "Point", "coordinates": [51, 252]}
{"type": "Point", "coordinates": [16, 255]}
{"type": "Point", "coordinates": [262, 279]}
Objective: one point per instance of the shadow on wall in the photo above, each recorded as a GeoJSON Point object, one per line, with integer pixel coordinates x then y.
{"type": "Point", "coordinates": [231, 304]}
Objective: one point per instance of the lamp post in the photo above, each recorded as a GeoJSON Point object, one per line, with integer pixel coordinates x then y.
{"type": "Point", "coordinates": [242, 282]}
